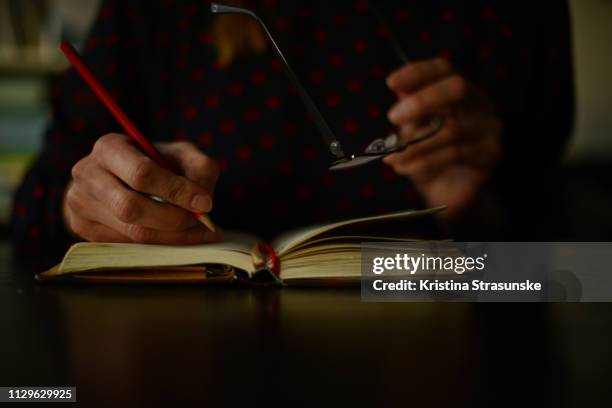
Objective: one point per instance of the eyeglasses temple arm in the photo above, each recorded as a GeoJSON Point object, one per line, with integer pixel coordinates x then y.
{"type": "Point", "coordinates": [328, 135]}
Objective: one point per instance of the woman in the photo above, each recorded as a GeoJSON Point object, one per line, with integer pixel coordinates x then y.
{"type": "Point", "coordinates": [211, 89]}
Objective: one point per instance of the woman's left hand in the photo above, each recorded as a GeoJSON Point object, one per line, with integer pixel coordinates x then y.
{"type": "Point", "coordinates": [452, 167]}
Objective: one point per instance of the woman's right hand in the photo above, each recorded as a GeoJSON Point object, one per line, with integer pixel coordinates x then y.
{"type": "Point", "coordinates": [108, 199]}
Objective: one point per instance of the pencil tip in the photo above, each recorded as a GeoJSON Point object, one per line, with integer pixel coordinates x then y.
{"type": "Point", "coordinates": [205, 219]}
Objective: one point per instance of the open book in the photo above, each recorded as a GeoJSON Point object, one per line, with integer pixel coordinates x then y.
{"type": "Point", "coordinates": [330, 252]}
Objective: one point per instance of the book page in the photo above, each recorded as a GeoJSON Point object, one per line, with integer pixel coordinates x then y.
{"type": "Point", "coordinates": [286, 242]}
{"type": "Point", "coordinates": [235, 250]}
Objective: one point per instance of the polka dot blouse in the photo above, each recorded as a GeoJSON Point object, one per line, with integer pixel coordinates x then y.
{"type": "Point", "coordinates": [158, 60]}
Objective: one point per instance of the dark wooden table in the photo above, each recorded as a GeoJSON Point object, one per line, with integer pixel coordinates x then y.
{"type": "Point", "coordinates": [139, 345]}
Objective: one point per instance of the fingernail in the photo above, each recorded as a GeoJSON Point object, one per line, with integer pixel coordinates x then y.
{"type": "Point", "coordinates": [201, 203]}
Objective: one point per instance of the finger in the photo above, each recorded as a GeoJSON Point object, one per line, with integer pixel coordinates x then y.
{"type": "Point", "coordinates": [415, 75]}
{"type": "Point", "coordinates": [193, 163]}
{"type": "Point", "coordinates": [124, 204]}
{"type": "Point", "coordinates": [142, 174]}
{"type": "Point", "coordinates": [93, 213]}
{"type": "Point", "coordinates": [428, 100]}
{"type": "Point", "coordinates": [427, 166]}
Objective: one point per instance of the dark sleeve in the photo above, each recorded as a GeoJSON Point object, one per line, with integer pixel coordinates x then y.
{"type": "Point", "coordinates": [77, 120]}
{"type": "Point", "coordinates": [538, 123]}
{"type": "Point", "coordinates": [523, 59]}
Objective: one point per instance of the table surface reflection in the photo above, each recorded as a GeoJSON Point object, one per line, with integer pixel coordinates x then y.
{"type": "Point", "coordinates": [144, 344]}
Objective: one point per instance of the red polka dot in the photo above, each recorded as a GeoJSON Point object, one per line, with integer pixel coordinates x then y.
{"type": "Point", "coordinates": [290, 129]}
{"type": "Point", "coordinates": [448, 15]}
{"type": "Point", "coordinates": [327, 179]}
{"type": "Point", "coordinates": [343, 205]}
{"type": "Point", "coordinates": [258, 77]}
{"type": "Point", "coordinates": [183, 24]}
{"type": "Point", "coordinates": [243, 153]}
{"type": "Point", "coordinates": [163, 39]}
{"type": "Point", "coordinates": [361, 6]}
{"type": "Point", "coordinates": [366, 191]}
{"type": "Point", "coordinates": [506, 30]}
{"type": "Point", "coordinates": [238, 193]}
{"type": "Point", "coordinates": [227, 127]}
{"type": "Point", "coordinates": [381, 31]}
{"type": "Point", "coordinates": [197, 74]}
{"type": "Point", "coordinates": [410, 196]}
{"type": "Point", "coordinates": [34, 231]}
{"type": "Point", "coordinates": [162, 114]}
{"type": "Point", "coordinates": [341, 21]}
{"type": "Point", "coordinates": [552, 54]}
{"type": "Point", "coordinates": [191, 10]}
{"type": "Point", "coordinates": [378, 71]}
{"type": "Point", "coordinates": [285, 168]}
{"type": "Point", "coordinates": [309, 153]}
{"type": "Point", "coordinates": [205, 139]}
{"type": "Point", "coordinates": [425, 36]}
{"type": "Point", "coordinates": [320, 35]}
{"type": "Point", "coordinates": [350, 126]}
{"type": "Point", "coordinates": [484, 53]}
{"type": "Point", "coordinates": [235, 88]}
{"type": "Point", "coordinates": [110, 69]}
{"type": "Point", "coordinates": [211, 101]}
{"type": "Point", "coordinates": [488, 13]}
{"type": "Point", "coordinates": [298, 49]}
{"type": "Point", "coordinates": [333, 100]}
{"type": "Point", "coordinates": [106, 11]}
{"type": "Point", "coordinates": [446, 54]}
{"type": "Point", "coordinates": [359, 45]}
{"type": "Point", "coordinates": [190, 112]}
{"type": "Point", "coordinates": [374, 111]}
{"type": "Point", "coordinates": [39, 191]}
{"type": "Point", "coordinates": [78, 125]}
{"type": "Point", "coordinates": [523, 54]}
{"type": "Point", "coordinates": [354, 86]}
{"type": "Point", "coordinates": [501, 71]}
{"type": "Point", "coordinates": [303, 192]}
{"type": "Point", "coordinates": [316, 76]}
{"type": "Point", "coordinates": [262, 181]}
{"type": "Point", "coordinates": [282, 24]}
{"type": "Point", "coordinates": [92, 43]}
{"type": "Point", "coordinates": [21, 211]}
{"type": "Point", "coordinates": [389, 174]}
{"type": "Point", "coordinates": [112, 40]}
{"type": "Point", "coordinates": [267, 141]}
{"type": "Point", "coordinates": [205, 38]}
{"type": "Point", "coordinates": [404, 15]}
{"type": "Point", "coordinates": [251, 115]}
{"type": "Point", "coordinates": [179, 134]}
{"type": "Point", "coordinates": [223, 164]}
{"type": "Point", "coordinates": [336, 60]}
{"type": "Point", "coordinates": [273, 102]}
{"type": "Point", "coordinates": [276, 64]}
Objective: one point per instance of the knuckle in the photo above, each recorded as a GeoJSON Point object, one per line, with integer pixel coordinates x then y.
{"type": "Point", "coordinates": [78, 170]}
{"type": "Point", "coordinates": [444, 64]}
{"type": "Point", "coordinates": [458, 86]}
{"type": "Point", "coordinates": [125, 208]}
{"type": "Point", "coordinates": [418, 104]}
{"type": "Point", "coordinates": [78, 226]}
{"type": "Point", "coordinates": [138, 233]}
{"type": "Point", "coordinates": [140, 173]}
{"type": "Point", "coordinates": [175, 192]}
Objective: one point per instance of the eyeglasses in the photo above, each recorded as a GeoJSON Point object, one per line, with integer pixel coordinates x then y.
{"type": "Point", "coordinates": [378, 148]}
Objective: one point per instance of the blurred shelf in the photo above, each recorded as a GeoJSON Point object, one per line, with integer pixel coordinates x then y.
{"type": "Point", "coordinates": [33, 61]}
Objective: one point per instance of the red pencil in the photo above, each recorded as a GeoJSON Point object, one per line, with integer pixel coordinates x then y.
{"type": "Point", "coordinates": [77, 62]}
